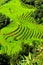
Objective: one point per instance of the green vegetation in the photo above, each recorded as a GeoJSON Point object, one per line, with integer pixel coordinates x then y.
{"type": "Point", "coordinates": [2, 2]}
{"type": "Point", "coordinates": [38, 15]}
{"type": "Point", "coordinates": [4, 59]}
{"type": "Point", "coordinates": [21, 38]}
{"type": "Point", "coordinates": [35, 3]}
{"type": "Point", "coordinates": [4, 21]}
{"type": "Point", "coordinates": [28, 55]}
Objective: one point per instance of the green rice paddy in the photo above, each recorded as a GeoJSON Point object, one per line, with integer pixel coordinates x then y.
{"type": "Point", "coordinates": [23, 27]}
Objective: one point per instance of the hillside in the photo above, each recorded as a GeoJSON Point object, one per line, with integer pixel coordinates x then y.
{"type": "Point", "coordinates": [21, 35]}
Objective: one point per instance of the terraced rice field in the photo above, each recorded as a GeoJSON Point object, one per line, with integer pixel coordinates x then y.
{"type": "Point", "coordinates": [22, 29]}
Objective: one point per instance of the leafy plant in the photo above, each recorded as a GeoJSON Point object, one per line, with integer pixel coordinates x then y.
{"type": "Point", "coordinates": [4, 59]}
{"type": "Point", "coordinates": [35, 3]}
{"type": "Point", "coordinates": [38, 15]}
{"type": "Point", "coordinates": [4, 21]}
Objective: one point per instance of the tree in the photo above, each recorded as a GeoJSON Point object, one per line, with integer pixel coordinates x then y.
{"type": "Point", "coordinates": [35, 3]}
{"type": "Point", "coordinates": [29, 2]}
{"type": "Point", "coordinates": [38, 15]}
{"type": "Point", "coordinates": [4, 59]}
{"type": "Point", "coordinates": [4, 21]}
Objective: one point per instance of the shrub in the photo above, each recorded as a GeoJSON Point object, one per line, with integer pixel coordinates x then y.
{"type": "Point", "coordinates": [4, 59]}
{"type": "Point", "coordinates": [26, 49]}
{"type": "Point", "coordinates": [4, 21]}
{"type": "Point", "coordinates": [33, 2]}
{"type": "Point", "coordinates": [38, 15]}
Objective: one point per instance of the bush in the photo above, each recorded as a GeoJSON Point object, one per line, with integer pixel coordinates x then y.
{"type": "Point", "coordinates": [17, 59]}
{"type": "Point", "coordinates": [4, 59]}
{"type": "Point", "coordinates": [33, 2]}
{"type": "Point", "coordinates": [4, 21]}
{"type": "Point", "coordinates": [38, 15]}
{"type": "Point", "coordinates": [30, 2]}
{"type": "Point", "coordinates": [26, 49]}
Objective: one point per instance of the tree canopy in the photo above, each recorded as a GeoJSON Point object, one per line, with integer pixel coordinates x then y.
{"type": "Point", "coordinates": [33, 2]}
{"type": "Point", "coordinates": [38, 15]}
{"type": "Point", "coordinates": [4, 21]}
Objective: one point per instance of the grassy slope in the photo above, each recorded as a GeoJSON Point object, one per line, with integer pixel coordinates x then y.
{"type": "Point", "coordinates": [16, 9]}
